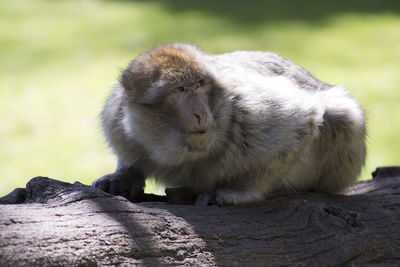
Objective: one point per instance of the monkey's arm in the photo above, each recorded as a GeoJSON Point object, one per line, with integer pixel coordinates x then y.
{"type": "Point", "coordinates": [126, 181]}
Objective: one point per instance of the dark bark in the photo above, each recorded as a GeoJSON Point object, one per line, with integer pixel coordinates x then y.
{"type": "Point", "coordinates": [62, 224]}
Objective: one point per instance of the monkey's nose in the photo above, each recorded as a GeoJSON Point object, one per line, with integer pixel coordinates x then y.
{"type": "Point", "coordinates": [198, 118]}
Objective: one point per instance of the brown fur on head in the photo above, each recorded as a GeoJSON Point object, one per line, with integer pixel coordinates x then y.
{"type": "Point", "coordinates": [174, 64]}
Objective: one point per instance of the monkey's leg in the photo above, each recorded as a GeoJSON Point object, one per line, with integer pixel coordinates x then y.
{"type": "Point", "coordinates": [125, 181]}
{"type": "Point", "coordinates": [228, 197]}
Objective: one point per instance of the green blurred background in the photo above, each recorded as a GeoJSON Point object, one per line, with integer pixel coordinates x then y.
{"type": "Point", "coordinates": [60, 59]}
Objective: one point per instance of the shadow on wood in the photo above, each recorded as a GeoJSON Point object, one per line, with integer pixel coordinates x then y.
{"type": "Point", "coordinates": [62, 224]}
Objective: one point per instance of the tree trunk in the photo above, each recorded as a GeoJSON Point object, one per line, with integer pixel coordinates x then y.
{"type": "Point", "coordinates": [62, 224]}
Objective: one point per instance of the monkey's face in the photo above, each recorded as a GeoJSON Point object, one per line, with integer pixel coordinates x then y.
{"type": "Point", "coordinates": [169, 104]}
{"type": "Point", "coordinates": [193, 118]}
{"type": "Point", "coordinates": [176, 124]}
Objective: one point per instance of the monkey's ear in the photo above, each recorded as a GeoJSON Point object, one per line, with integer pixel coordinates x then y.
{"type": "Point", "coordinates": [127, 79]}
{"type": "Point", "coordinates": [139, 73]}
{"type": "Point", "coordinates": [137, 78]}
{"type": "Point", "coordinates": [132, 78]}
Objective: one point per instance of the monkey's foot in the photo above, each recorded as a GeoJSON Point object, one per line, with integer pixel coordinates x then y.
{"type": "Point", "coordinates": [122, 184]}
{"type": "Point", "coordinates": [228, 197]}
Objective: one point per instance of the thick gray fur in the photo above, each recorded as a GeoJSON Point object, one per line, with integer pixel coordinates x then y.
{"type": "Point", "coordinates": [276, 128]}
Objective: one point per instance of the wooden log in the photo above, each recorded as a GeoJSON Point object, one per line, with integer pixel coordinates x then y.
{"type": "Point", "coordinates": [62, 224]}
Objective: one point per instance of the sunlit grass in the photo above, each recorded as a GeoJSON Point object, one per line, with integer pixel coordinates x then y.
{"type": "Point", "coordinates": [59, 60]}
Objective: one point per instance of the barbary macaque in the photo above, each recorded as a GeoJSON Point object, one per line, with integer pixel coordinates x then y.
{"type": "Point", "coordinates": [232, 127]}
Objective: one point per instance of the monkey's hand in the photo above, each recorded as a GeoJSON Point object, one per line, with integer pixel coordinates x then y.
{"type": "Point", "coordinates": [125, 183]}
{"type": "Point", "coordinates": [228, 197]}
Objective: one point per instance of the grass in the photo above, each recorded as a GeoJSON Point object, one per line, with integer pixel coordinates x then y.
{"type": "Point", "coordinates": [59, 60]}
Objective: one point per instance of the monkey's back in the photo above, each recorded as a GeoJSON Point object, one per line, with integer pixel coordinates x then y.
{"type": "Point", "coordinates": [271, 64]}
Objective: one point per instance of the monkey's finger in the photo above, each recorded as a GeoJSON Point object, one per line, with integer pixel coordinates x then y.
{"type": "Point", "coordinates": [135, 192]}
{"type": "Point", "coordinates": [113, 187]}
{"type": "Point", "coordinates": [205, 200]}
{"type": "Point", "coordinates": [103, 185]}
{"type": "Point", "coordinates": [125, 194]}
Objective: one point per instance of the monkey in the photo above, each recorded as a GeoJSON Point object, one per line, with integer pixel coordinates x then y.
{"type": "Point", "coordinates": [232, 127]}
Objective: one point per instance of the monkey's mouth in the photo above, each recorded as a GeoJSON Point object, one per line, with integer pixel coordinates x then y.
{"type": "Point", "coordinates": [199, 132]}
{"type": "Point", "coordinates": [197, 140]}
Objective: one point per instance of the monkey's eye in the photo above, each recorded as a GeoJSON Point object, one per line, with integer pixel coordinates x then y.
{"type": "Point", "coordinates": [179, 89]}
{"type": "Point", "coordinates": [204, 82]}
